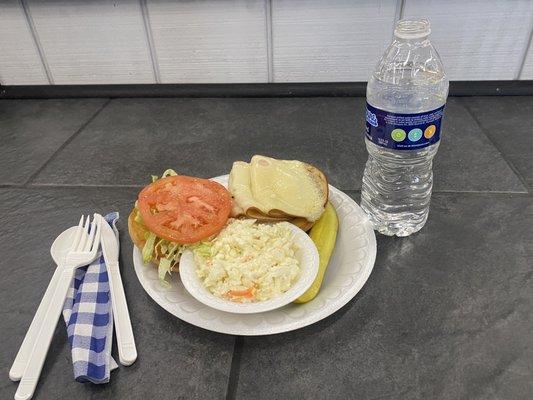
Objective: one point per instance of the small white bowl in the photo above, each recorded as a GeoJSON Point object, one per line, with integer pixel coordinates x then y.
{"type": "Point", "coordinates": [307, 255]}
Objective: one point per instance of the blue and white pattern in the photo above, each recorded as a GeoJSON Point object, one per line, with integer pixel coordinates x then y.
{"type": "Point", "coordinates": [89, 318]}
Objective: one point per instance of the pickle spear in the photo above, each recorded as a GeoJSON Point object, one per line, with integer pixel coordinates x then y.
{"type": "Point", "coordinates": [324, 234]}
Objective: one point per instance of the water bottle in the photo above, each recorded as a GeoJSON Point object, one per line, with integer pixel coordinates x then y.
{"type": "Point", "coordinates": [405, 101]}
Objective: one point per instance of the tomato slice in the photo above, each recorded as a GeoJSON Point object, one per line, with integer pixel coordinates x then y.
{"type": "Point", "coordinates": [184, 209]}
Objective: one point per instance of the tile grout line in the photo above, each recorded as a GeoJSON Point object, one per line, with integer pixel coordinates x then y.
{"type": "Point", "coordinates": [235, 369]}
{"type": "Point", "coordinates": [482, 192]}
{"type": "Point", "coordinates": [464, 103]}
{"type": "Point", "coordinates": [89, 185]}
{"type": "Point", "coordinates": [65, 143]}
{"type": "Point", "coordinates": [138, 186]}
{"type": "Point", "coordinates": [36, 41]}
{"type": "Point", "coordinates": [150, 40]}
{"type": "Point", "coordinates": [269, 43]}
{"type": "Point", "coordinates": [461, 192]}
{"type": "Point", "coordinates": [11, 186]}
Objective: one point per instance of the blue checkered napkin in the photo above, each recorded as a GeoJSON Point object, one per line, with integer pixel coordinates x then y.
{"type": "Point", "coordinates": [89, 318]}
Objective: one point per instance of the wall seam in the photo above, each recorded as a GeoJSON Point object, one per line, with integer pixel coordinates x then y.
{"type": "Point", "coordinates": [398, 14]}
{"type": "Point", "coordinates": [270, 59]}
{"type": "Point", "coordinates": [524, 54]}
{"type": "Point", "coordinates": [150, 40]}
{"type": "Point", "coordinates": [36, 41]}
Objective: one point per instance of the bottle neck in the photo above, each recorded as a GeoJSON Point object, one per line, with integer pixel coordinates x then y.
{"type": "Point", "coordinates": [411, 41]}
{"type": "Point", "coordinates": [412, 31]}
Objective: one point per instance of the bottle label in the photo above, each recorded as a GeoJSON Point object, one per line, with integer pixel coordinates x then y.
{"type": "Point", "coordinates": [403, 131]}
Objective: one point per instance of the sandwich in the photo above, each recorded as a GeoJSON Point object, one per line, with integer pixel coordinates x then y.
{"type": "Point", "coordinates": [176, 212]}
{"type": "Point", "coordinates": [271, 190]}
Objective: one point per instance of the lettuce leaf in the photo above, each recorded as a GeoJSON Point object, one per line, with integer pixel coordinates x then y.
{"type": "Point", "coordinates": [148, 249]}
{"type": "Point", "coordinates": [203, 249]}
{"type": "Point", "coordinates": [163, 269]}
{"type": "Point", "coordinates": [168, 172]}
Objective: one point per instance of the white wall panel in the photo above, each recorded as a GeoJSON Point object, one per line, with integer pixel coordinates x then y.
{"type": "Point", "coordinates": [225, 41]}
{"type": "Point", "coordinates": [317, 40]}
{"type": "Point", "coordinates": [527, 71]}
{"type": "Point", "coordinates": [19, 60]}
{"type": "Point", "coordinates": [210, 41]}
{"type": "Point", "coordinates": [477, 39]}
{"type": "Point", "coordinates": [96, 41]}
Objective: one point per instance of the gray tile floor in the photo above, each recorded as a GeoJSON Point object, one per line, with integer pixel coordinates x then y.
{"type": "Point", "coordinates": [33, 130]}
{"type": "Point", "coordinates": [508, 122]}
{"type": "Point", "coordinates": [170, 351]}
{"type": "Point", "coordinates": [446, 313]}
{"type": "Point", "coordinates": [186, 133]}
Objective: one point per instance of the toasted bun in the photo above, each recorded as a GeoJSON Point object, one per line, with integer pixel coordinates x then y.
{"type": "Point", "coordinates": [321, 180]}
{"type": "Point", "coordinates": [137, 233]}
{"type": "Point", "coordinates": [136, 230]}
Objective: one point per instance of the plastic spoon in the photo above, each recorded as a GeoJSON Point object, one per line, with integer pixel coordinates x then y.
{"type": "Point", "coordinates": [59, 250]}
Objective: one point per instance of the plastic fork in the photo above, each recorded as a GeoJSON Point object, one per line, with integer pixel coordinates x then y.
{"type": "Point", "coordinates": [82, 252]}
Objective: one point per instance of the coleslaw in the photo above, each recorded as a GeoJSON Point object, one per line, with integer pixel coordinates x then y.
{"type": "Point", "coordinates": [249, 262]}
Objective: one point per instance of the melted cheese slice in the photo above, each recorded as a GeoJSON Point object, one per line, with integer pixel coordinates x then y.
{"type": "Point", "coordinates": [280, 185]}
{"type": "Point", "coordinates": [240, 187]}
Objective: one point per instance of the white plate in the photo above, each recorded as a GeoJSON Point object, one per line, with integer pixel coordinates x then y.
{"type": "Point", "coordinates": [307, 255]}
{"type": "Point", "coordinates": [348, 270]}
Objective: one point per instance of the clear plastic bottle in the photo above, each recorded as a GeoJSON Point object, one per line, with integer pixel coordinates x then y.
{"type": "Point", "coordinates": [405, 96]}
